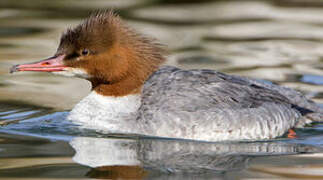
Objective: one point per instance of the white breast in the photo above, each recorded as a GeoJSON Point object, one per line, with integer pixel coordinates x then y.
{"type": "Point", "coordinates": [111, 114]}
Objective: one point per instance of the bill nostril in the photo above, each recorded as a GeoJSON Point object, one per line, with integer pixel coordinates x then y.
{"type": "Point", "coordinates": [45, 64]}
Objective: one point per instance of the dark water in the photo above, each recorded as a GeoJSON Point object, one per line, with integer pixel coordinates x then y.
{"type": "Point", "coordinates": [278, 41]}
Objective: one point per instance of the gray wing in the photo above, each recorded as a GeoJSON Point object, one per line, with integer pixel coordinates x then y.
{"type": "Point", "coordinates": [202, 104]}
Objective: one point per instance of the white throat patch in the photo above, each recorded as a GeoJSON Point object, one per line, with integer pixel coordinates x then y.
{"type": "Point", "coordinates": [73, 72]}
{"type": "Point", "coordinates": [106, 113]}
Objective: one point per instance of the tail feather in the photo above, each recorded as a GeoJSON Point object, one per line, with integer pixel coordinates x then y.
{"type": "Point", "coordinates": [309, 118]}
{"type": "Point", "coordinates": [315, 117]}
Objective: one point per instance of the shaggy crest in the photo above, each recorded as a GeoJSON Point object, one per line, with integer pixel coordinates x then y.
{"type": "Point", "coordinates": [106, 28]}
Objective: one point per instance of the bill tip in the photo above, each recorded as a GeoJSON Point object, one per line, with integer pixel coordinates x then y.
{"type": "Point", "coordinates": [14, 69]}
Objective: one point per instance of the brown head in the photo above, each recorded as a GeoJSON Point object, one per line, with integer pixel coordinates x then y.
{"type": "Point", "coordinates": [116, 59]}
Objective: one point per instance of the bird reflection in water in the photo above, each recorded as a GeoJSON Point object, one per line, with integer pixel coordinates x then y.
{"type": "Point", "coordinates": [146, 157]}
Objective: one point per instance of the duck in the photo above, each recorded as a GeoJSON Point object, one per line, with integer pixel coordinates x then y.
{"type": "Point", "coordinates": [134, 93]}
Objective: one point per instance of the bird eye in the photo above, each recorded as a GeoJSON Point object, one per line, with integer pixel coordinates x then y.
{"type": "Point", "coordinates": [85, 52]}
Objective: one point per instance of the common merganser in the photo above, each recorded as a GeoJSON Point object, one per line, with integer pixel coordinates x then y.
{"type": "Point", "coordinates": [131, 93]}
